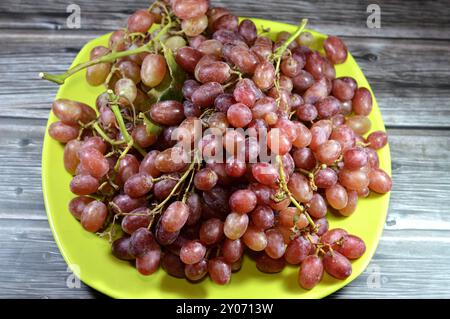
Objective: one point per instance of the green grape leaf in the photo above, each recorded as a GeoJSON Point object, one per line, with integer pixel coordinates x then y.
{"type": "Point", "coordinates": [151, 127]}
{"type": "Point", "coordinates": [170, 87]}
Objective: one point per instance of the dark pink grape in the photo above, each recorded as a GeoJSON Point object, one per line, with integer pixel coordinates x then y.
{"type": "Point", "coordinates": [263, 217]}
{"type": "Point", "coordinates": [355, 158]}
{"type": "Point", "coordinates": [243, 201]}
{"type": "Point", "coordinates": [380, 181]}
{"type": "Point", "coordinates": [149, 262]}
{"type": "Point", "coordinates": [205, 179]}
{"type": "Point", "coordinates": [189, 87]}
{"type": "Point", "coordinates": [235, 225]}
{"type": "Point", "coordinates": [120, 248]}
{"type": "Point", "coordinates": [351, 204]}
{"type": "Point", "coordinates": [163, 237]}
{"type": "Point", "coordinates": [303, 81]}
{"type": "Point", "coordinates": [335, 49]}
{"type": "Point", "coordinates": [246, 92]}
{"type": "Point", "coordinates": [71, 159]}
{"type": "Point", "coordinates": [211, 231]}
{"type": "Point", "coordinates": [344, 135]}
{"type": "Point", "coordinates": [304, 158]}
{"type": "Point", "coordinates": [275, 244]}
{"type": "Point", "coordinates": [175, 216]}
{"type": "Point", "coordinates": [219, 271]}
{"type": "Point", "coordinates": [188, 9]}
{"type": "Point", "coordinates": [317, 206]}
{"type": "Point", "coordinates": [147, 165]}
{"type": "Point", "coordinates": [336, 196]}
{"type": "Point", "coordinates": [343, 89]}
{"type": "Point", "coordinates": [300, 188]}
{"type": "Point", "coordinates": [167, 112]}
{"type": "Point", "coordinates": [93, 162]}
{"type": "Point", "coordinates": [266, 264]}
{"type": "Point", "coordinates": [140, 21]}
{"type": "Point", "coordinates": [224, 101]}
{"type": "Point", "coordinates": [84, 185]}
{"type": "Point", "coordinates": [136, 219]}
{"type": "Point", "coordinates": [77, 205]}
{"type": "Point", "coordinates": [327, 107]}
{"type": "Point", "coordinates": [63, 132]}
{"type": "Point", "coordinates": [247, 29]}
{"type": "Point", "coordinates": [354, 179]}
{"type": "Point", "coordinates": [337, 265]}
{"type": "Point", "coordinates": [328, 152]}
{"type": "Point", "coordinates": [244, 59]}
{"type": "Point", "coordinates": [138, 185]}
{"type": "Point", "coordinates": [196, 272]}
{"type": "Point", "coordinates": [325, 178]}
{"type": "Point", "coordinates": [153, 70]}
{"type": "Point", "coordinates": [235, 167]}
{"type": "Point", "coordinates": [315, 64]}
{"type": "Point", "coordinates": [232, 250]}
{"type": "Point", "coordinates": [192, 252]}
{"type": "Point", "coordinates": [206, 94]}
{"type": "Point", "coordinates": [316, 91]}
{"type": "Point", "coordinates": [125, 204]}
{"type": "Point", "coordinates": [94, 216]}
{"type": "Point", "coordinates": [307, 112]}
{"type": "Point", "coordinates": [333, 236]}
{"type": "Point", "coordinates": [362, 102]}
{"type": "Point", "coordinates": [216, 71]}
{"type": "Point", "coordinates": [352, 247]}
{"type": "Point", "coordinates": [265, 173]}
{"type": "Point", "coordinates": [172, 264]}
{"type": "Point", "coordinates": [374, 161]}
{"type": "Point", "coordinates": [239, 115]}
{"type": "Point", "coordinates": [377, 139]}
{"type": "Point", "coordinates": [310, 272]}
{"type": "Point", "coordinates": [226, 22]}
{"type": "Point", "coordinates": [297, 250]}
{"type": "Point", "coordinates": [321, 226]}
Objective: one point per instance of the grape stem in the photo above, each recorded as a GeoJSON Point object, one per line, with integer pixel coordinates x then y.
{"type": "Point", "coordinates": [289, 194]}
{"type": "Point", "coordinates": [174, 190]}
{"type": "Point", "coordinates": [108, 58]}
{"type": "Point", "coordinates": [100, 132]}
{"type": "Point", "coordinates": [128, 139]}
{"type": "Point", "coordinates": [280, 51]}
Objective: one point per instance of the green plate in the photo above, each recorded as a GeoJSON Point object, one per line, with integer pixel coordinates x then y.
{"type": "Point", "coordinates": [91, 256]}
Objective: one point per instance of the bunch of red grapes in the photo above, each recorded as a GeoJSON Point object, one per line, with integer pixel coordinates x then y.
{"type": "Point", "coordinates": [199, 216]}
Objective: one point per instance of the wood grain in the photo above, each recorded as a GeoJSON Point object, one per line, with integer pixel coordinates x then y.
{"type": "Point", "coordinates": [407, 63]}
{"type": "Point", "coordinates": [399, 19]}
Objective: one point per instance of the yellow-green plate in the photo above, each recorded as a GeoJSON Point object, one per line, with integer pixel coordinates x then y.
{"type": "Point", "coordinates": [91, 256]}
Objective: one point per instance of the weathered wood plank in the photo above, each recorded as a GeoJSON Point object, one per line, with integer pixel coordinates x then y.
{"type": "Point", "coordinates": [33, 268]}
{"type": "Point", "coordinates": [416, 19]}
{"type": "Point", "coordinates": [409, 77]}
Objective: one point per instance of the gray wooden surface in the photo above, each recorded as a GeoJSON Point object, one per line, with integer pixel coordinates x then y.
{"type": "Point", "coordinates": [407, 62]}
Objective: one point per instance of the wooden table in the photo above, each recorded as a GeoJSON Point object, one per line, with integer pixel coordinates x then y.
{"type": "Point", "coordinates": [407, 62]}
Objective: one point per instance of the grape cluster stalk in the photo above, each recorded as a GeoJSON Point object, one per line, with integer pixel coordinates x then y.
{"type": "Point", "coordinates": [181, 66]}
